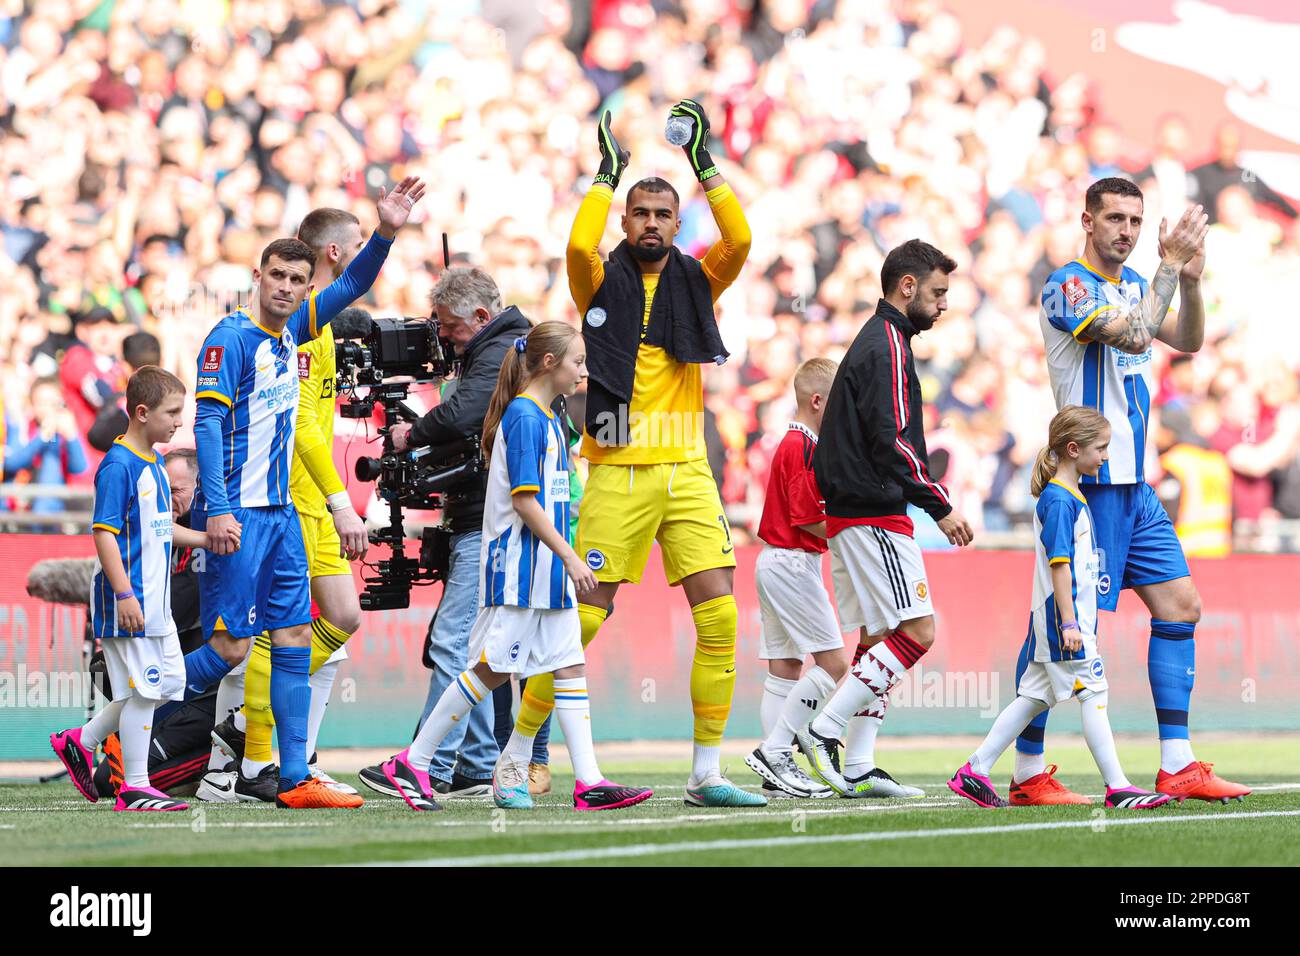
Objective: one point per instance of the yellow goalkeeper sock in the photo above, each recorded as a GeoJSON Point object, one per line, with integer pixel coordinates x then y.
{"type": "Point", "coordinates": [713, 671]}
{"type": "Point", "coordinates": [257, 702]}
{"type": "Point", "coordinates": [539, 696]}
{"type": "Point", "coordinates": [325, 640]}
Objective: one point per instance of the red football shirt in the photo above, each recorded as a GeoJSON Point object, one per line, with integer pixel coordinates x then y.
{"type": "Point", "coordinates": [792, 495]}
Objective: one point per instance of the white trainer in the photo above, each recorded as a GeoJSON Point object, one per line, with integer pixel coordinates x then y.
{"type": "Point", "coordinates": [879, 784]}
{"type": "Point", "coordinates": [780, 771]}
{"type": "Point", "coordinates": [218, 786]}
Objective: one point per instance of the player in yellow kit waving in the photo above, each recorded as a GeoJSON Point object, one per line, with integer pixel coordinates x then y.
{"type": "Point", "coordinates": [648, 323]}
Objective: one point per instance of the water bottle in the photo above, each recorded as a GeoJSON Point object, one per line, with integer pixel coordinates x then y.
{"type": "Point", "coordinates": [679, 130]}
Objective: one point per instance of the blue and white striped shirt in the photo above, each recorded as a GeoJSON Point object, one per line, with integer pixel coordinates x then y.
{"type": "Point", "coordinates": [1084, 372]}
{"type": "Point", "coordinates": [1063, 532]}
{"type": "Point", "coordinates": [248, 391]}
{"type": "Point", "coordinates": [133, 500]}
{"type": "Point", "coordinates": [529, 453]}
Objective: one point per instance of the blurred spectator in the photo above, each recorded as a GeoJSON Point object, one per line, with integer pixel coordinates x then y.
{"type": "Point", "coordinates": [89, 371]}
{"type": "Point", "coordinates": [1196, 487]}
{"type": "Point", "coordinates": [1225, 170]}
{"type": "Point", "coordinates": [48, 450]}
{"type": "Point", "coordinates": [138, 350]}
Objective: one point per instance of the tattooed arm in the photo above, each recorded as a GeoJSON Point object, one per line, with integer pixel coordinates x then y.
{"type": "Point", "coordinates": [1132, 331]}
{"type": "Point", "coordinates": [1187, 332]}
{"type": "Point", "coordinates": [1182, 258]}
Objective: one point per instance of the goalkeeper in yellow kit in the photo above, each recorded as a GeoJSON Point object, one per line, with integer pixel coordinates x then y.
{"type": "Point", "coordinates": [648, 324]}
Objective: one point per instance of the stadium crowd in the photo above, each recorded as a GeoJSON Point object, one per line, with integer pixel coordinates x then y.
{"type": "Point", "coordinates": [152, 148]}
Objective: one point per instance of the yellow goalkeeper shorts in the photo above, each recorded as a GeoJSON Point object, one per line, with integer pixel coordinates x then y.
{"type": "Point", "coordinates": [626, 508]}
{"type": "Point", "coordinates": [322, 540]}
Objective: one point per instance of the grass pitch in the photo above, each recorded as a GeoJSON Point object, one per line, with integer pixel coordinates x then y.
{"type": "Point", "coordinates": [50, 825]}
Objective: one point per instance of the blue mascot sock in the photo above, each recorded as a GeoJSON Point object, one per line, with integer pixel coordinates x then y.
{"type": "Point", "coordinates": [290, 702]}
{"type": "Point", "coordinates": [203, 668]}
{"type": "Point", "coordinates": [1030, 740]}
{"type": "Point", "coordinates": [1171, 668]}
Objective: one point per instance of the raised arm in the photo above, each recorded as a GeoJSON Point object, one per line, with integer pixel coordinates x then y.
{"type": "Point", "coordinates": [723, 262]}
{"type": "Point", "coordinates": [582, 256]}
{"type": "Point", "coordinates": [1132, 330]}
{"type": "Point", "coordinates": [1187, 334]}
{"type": "Point", "coordinates": [394, 208]}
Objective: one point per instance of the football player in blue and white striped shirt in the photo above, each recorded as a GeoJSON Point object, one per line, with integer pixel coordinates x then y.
{"type": "Point", "coordinates": [1061, 647]}
{"type": "Point", "coordinates": [529, 579]}
{"type": "Point", "coordinates": [244, 427]}
{"type": "Point", "coordinates": [130, 607]}
{"type": "Point", "coordinates": [1099, 319]}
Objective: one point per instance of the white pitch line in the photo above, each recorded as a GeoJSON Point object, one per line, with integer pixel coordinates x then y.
{"type": "Point", "coordinates": [266, 824]}
{"type": "Point", "coordinates": [737, 816]}
{"type": "Point", "coordinates": [655, 849]}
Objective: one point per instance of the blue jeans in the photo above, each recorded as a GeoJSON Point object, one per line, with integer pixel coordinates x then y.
{"type": "Point", "coordinates": [471, 739]}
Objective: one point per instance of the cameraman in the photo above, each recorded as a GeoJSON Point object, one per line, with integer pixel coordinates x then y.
{"type": "Point", "coordinates": [468, 306]}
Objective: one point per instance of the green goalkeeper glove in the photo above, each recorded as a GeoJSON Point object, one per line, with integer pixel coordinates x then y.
{"type": "Point", "coordinates": [613, 158]}
{"type": "Point", "coordinates": [697, 147]}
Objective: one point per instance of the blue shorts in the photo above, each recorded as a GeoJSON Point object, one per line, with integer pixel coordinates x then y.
{"type": "Point", "coordinates": [264, 585]}
{"type": "Point", "coordinates": [1135, 540]}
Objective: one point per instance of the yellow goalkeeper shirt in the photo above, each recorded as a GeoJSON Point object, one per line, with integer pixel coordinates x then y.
{"type": "Point", "coordinates": [313, 476]}
{"type": "Point", "coordinates": [666, 413]}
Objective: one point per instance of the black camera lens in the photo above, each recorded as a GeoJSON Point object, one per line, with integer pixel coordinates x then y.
{"type": "Point", "coordinates": [368, 469]}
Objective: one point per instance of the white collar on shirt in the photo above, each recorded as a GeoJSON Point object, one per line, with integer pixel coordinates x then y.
{"type": "Point", "coordinates": [801, 427]}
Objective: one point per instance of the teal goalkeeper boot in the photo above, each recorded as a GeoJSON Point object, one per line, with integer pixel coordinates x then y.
{"type": "Point", "coordinates": [717, 791]}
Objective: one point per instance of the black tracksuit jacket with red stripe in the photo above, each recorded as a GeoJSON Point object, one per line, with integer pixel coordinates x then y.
{"type": "Point", "coordinates": [871, 458]}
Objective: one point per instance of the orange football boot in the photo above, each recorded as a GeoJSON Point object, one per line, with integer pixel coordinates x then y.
{"type": "Point", "coordinates": [1198, 781]}
{"type": "Point", "coordinates": [311, 794]}
{"type": "Point", "coordinates": [113, 753]}
{"type": "Point", "coordinates": [1043, 790]}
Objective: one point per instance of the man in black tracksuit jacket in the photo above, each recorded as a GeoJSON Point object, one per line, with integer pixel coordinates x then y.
{"type": "Point", "coordinates": [870, 463]}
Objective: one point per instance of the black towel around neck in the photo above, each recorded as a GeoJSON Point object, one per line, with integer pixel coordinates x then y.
{"type": "Point", "coordinates": [681, 322]}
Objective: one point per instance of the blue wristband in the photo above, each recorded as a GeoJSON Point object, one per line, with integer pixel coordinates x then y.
{"type": "Point", "coordinates": [123, 595]}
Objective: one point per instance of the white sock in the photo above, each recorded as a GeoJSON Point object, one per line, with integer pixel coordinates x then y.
{"type": "Point", "coordinates": [1028, 765]}
{"type": "Point", "coordinates": [1005, 729]}
{"type": "Point", "coordinates": [705, 762]}
{"type": "Point", "coordinates": [241, 722]}
{"type": "Point", "coordinates": [322, 683]}
{"type": "Point", "coordinates": [465, 692]}
{"type": "Point", "coordinates": [230, 694]}
{"type": "Point", "coordinates": [134, 732]}
{"type": "Point", "coordinates": [860, 738]}
{"type": "Point", "coordinates": [852, 697]}
{"type": "Point", "coordinates": [573, 711]}
{"type": "Point", "coordinates": [251, 768]}
{"type": "Point", "coordinates": [879, 667]}
{"type": "Point", "coordinates": [1096, 731]}
{"type": "Point", "coordinates": [860, 745]}
{"type": "Point", "coordinates": [775, 692]}
{"type": "Point", "coordinates": [103, 723]}
{"type": "Point", "coordinates": [519, 748]}
{"type": "Point", "coordinates": [1175, 754]}
{"type": "Point", "coordinates": [801, 706]}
